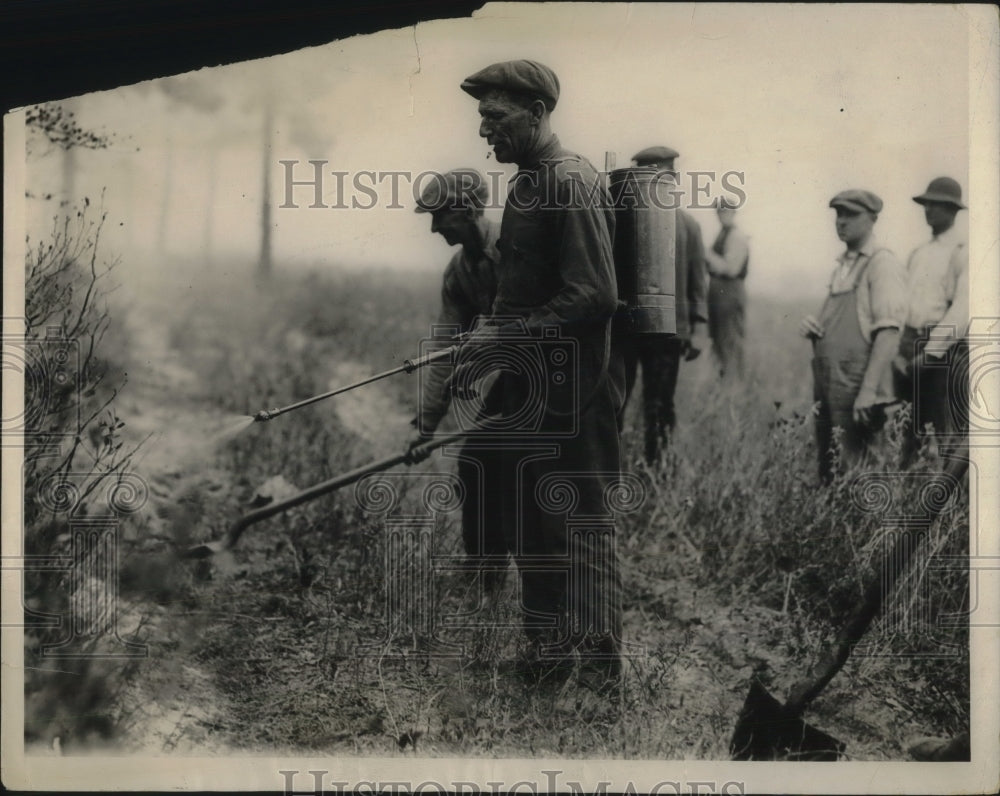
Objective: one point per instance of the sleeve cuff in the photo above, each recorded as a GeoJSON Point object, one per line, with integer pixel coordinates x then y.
{"type": "Point", "coordinates": [886, 323]}
{"type": "Point", "coordinates": [427, 423]}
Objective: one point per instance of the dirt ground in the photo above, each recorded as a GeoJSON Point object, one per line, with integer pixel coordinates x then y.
{"type": "Point", "coordinates": [254, 664]}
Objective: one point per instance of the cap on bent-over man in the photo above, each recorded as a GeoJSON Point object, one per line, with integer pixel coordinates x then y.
{"type": "Point", "coordinates": [455, 201]}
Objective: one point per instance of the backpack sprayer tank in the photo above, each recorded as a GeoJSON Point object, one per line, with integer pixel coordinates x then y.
{"type": "Point", "coordinates": [645, 243]}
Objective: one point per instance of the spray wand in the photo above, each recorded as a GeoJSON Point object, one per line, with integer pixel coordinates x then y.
{"type": "Point", "coordinates": [408, 366]}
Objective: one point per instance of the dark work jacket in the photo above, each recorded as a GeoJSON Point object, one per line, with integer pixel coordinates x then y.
{"type": "Point", "coordinates": [468, 290]}
{"type": "Point", "coordinates": [556, 260]}
{"type": "Point", "coordinates": [691, 285]}
{"type": "Point", "coordinates": [556, 270]}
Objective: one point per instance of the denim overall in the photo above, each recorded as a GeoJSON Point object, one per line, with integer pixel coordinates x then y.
{"type": "Point", "coordinates": [840, 358]}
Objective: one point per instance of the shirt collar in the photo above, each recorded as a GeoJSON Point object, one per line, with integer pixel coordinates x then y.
{"type": "Point", "coordinates": [490, 250]}
{"type": "Point", "coordinates": [490, 253]}
{"type": "Point", "coordinates": [867, 249]}
{"type": "Point", "coordinates": [948, 237]}
{"type": "Point", "coordinates": [545, 151]}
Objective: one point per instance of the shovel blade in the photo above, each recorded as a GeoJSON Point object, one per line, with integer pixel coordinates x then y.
{"type": "Point", "coordinates": [767, 730]}
{"type": "Point", "coordinates": [205, 550]}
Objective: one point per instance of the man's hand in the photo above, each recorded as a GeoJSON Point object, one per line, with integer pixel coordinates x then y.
{"type": "Point", "coordinates": [692, 347]}
{"type": "Point", "coordinates": [902, 365]}
{"type": "Point", "coordinates": [916, 363]}
{"type": "Point", "coordinates": [414, 443]}
{"type": "Point", "coordinates": [478, 343]}
{"type": "Point", "coordinates": [457, 384]}
{"type": "Point", "coordinates": [475, 347]}
{"type": "Point", "coordinates": [809, 327]}
{"type": "Point", "coordinates": [932, 354]}
{"type": "Point", "coordinates": [863, 406]}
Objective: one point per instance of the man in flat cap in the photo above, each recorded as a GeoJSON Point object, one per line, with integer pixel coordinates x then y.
{"type": "Point", "coordinates": [661, 358]}
{"type": "Point", "coordinates": [856, 335]}
{"type": "Point", "coordinates": [455, 201]}
{"type": "Point", "coordinates": [556, 295]}
{"type": "Point", "coordinates": [932, 351]}
{"type": "Point", "coordinates": [728, 261]}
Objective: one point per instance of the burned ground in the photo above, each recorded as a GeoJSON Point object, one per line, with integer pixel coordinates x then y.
{"type": "Point", "coordinates": [735, 565]}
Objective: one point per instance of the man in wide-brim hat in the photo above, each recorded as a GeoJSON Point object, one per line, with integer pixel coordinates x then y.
{"type": "Point", "coordinates": [933, 357]}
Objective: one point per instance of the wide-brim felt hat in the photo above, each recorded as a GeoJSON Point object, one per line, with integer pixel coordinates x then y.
{"type": "Point", "coordinates": [944, 190]}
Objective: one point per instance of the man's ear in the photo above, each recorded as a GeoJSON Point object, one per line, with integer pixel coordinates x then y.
{"type": "Point", "coordinates": [537, 110]}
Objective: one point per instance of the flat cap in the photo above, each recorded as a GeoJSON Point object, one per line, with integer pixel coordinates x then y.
{"type": "Point", "coordinates": [858, 201]}
{"type": "Point", "coordinates": [522, 77]}
{"type": "Point", "coordinates": [458, 188]}
{"type": "Point", "coordinates": [944, 190]}
{"type": "Point", "coordinates": [656, 154]}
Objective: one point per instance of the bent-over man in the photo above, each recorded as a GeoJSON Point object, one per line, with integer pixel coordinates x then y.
{"type": "Point", "coordinates": [856, 335]}
{"type": "Point", "coordinates": [455, 202]}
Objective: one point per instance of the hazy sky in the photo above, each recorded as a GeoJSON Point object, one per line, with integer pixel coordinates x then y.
{"type": "Point", "coordinates": [803, 100]}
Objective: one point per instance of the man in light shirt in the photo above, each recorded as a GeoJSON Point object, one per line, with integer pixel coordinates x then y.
{"type": "Point", "coordinates": [931, 351]}
{"type": "Point", "coordinates": [727, 260]}
{"type": "Point", "coordinates": [856, 335]}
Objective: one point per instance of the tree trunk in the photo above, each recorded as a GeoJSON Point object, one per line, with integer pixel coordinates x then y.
{"type": "Point", "coordinates": [264, 264]}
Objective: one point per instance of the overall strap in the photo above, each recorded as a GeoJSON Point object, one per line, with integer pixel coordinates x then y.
{"type": "Point", "coordinates": [719, 247]}
{"type": "Point", "coordinates": [864, 268]}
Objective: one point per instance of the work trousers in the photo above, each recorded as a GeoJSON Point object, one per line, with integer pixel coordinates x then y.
{"type": "Point", "coordinates": [479, 470]}
{"type": "Point", "coordinates": [840, 359]}
{"type": "Point", "coordinates": [937, 392]}
{"type": "Point", "coordinates": [660, 359]}
{"type": "Point", "coordinates": [835, 386]}
{"type": "Point", "coordinates": [726, 322]}
{"type": "Point", "coordinates": [558, 480]}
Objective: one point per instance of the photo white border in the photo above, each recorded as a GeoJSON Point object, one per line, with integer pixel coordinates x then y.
{"type": "Point", "coordinates": [255, 773]}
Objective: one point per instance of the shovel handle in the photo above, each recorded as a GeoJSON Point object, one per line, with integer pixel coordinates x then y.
{"type": "Point", "coordinates": [893, 566]}
{"type": "Point", "coordinates": [237, 528]}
